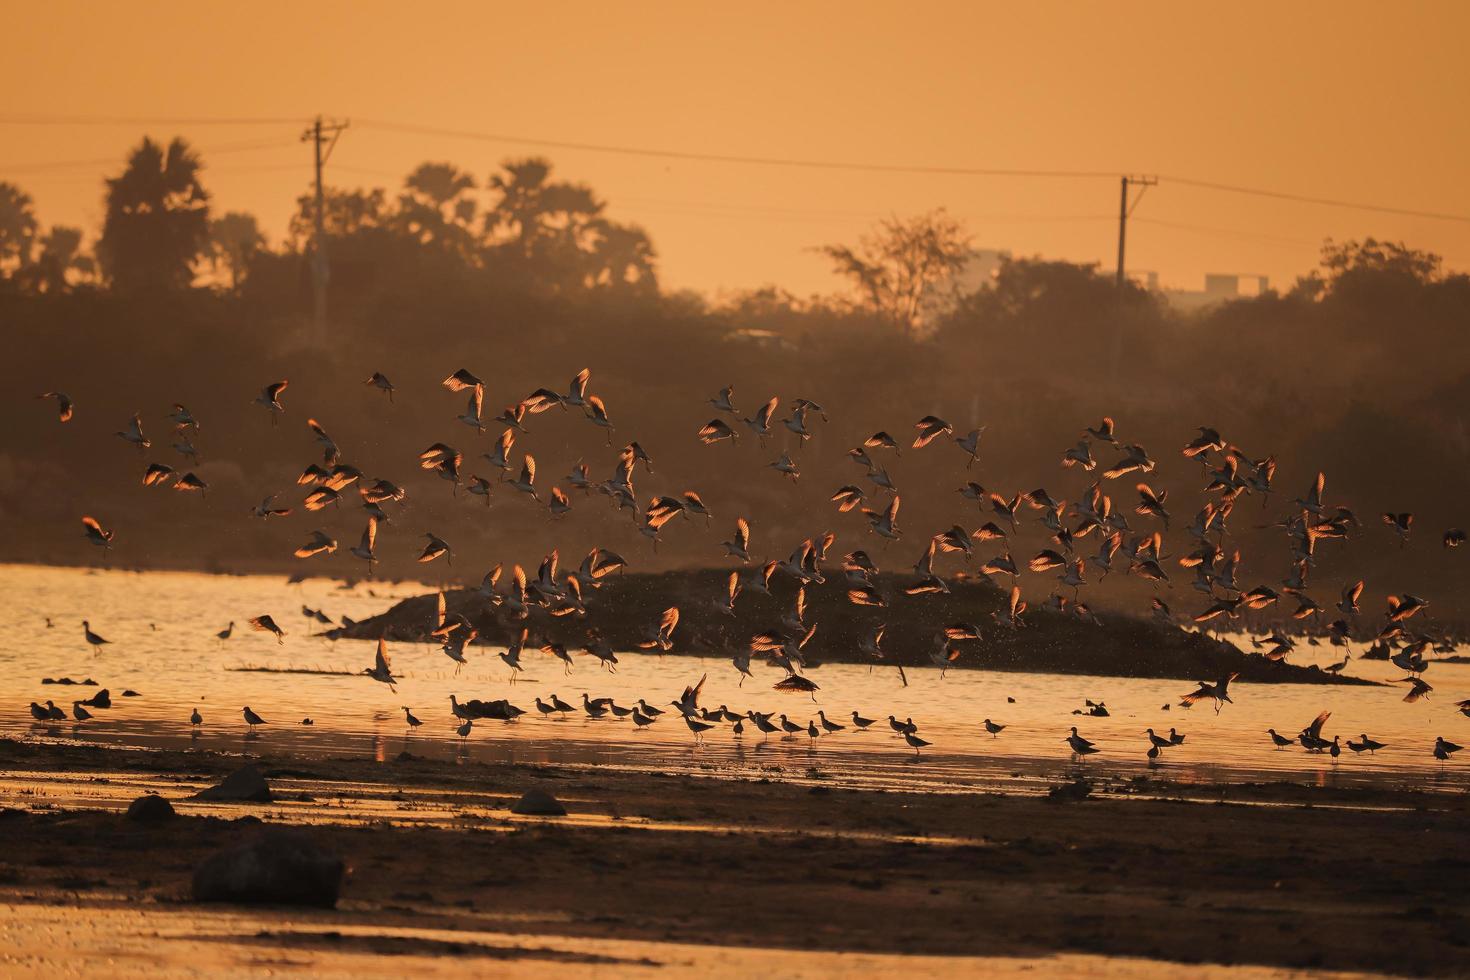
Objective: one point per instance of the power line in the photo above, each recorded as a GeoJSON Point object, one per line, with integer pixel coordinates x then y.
{"type": "Point", "coordinates": [50, 165]}
{"type": "Point", "coordinates": [1308, 199]}
{"type": "Point", "coordinates": [749, 160]}
{"type": "Point", "coordinates": [11, 120]}
{"type": "Point", "coordinates": [417, 130]}
{"type": "Point", "coordinates": [1229, 232]}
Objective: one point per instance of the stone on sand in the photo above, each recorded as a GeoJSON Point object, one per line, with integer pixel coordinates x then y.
{"type": "Point", "coordinates": [245, 784]}
{"type": "Point", "coordinates": [271, 867]}
{"type": "Point", "coordinates": [150, 809]}
{"type": "Point", "coordinates": [538, 803]}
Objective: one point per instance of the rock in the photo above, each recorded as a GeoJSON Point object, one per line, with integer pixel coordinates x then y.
{"type": "Point", "coordinates": [538, 803]}
{"type": "Point", "coordinates": [243, 785]}
{"type": "Point", "coordinates": [272, 867]}
{"type": "Point", "coordinates": [150, 809]}
{"type": "Point", "coordinates": [1074, 792]}
{"type": "Point", "coordinates": [102, 699]}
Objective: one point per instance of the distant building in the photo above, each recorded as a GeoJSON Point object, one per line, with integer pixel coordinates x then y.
{"type": "Point", "coordinates": [1219, 288]}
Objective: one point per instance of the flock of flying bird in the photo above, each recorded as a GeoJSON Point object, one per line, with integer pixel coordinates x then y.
{"type": "Point", "coordinates": [552, 594]}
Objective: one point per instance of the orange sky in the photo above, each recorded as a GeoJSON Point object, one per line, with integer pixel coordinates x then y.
{"type": "Point", "coordinates": [1359, 101]}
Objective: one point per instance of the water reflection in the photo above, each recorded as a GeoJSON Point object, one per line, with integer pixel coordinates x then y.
{"type": "Point", "coordinates": [181, 667]}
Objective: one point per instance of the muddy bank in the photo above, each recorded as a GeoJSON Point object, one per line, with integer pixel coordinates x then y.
{"type": "Point", "coordinates": [1317, 880]}
{"type": "Point", "coordinates": [628, 606]}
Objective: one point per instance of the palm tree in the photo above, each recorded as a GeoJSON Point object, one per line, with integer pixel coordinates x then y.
{"type": "Point", "coordinates": [622, 258]}
{"type": "Point", "coordinates": [157, 222]}
{"type": "Point", "coordinates": [17, 228]}
{"type": "Point", "coordinates": [61, 254]}
{"type": "Point", "coordinates": [234, 240]}
{"type": "Point", "coordinates": [541, 216]}
{"type": "Point", "coordinates": [435, 209]}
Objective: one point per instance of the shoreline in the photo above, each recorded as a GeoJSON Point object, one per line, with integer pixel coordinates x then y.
{"type": "Point", "coordinates": [779, 867]}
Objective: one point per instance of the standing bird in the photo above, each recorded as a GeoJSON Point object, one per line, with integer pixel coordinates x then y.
{"type": "Point", "coordinates": [410, 719]}
{"type": "Point", "coordinates": [1442, 749]}
{"type": "Point", "coordinates": [270, 400]}
{"type": "Point", "coordinates": [252, 719]}
{"type": "Point", "coordinates": [1080, 745]}
{"type": "Point", "coordinates": [79, 713]}
{"type": "Point", "coordinates": [195, 718]}
{"type": "Point", "coordinates": [993, 728]}
{"type": "Point", "coordinates": [697, 727]}
{"type": "Point", "coordinates": [95, 641]}
{"type": "Point", "coordinates": [829, 726]}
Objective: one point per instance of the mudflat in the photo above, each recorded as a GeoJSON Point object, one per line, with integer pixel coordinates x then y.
{"type": "Point", "coordinates": [653, 871]}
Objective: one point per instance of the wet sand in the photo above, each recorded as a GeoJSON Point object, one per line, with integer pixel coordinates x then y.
{"type": "Point", "coordinates": [679, 873]}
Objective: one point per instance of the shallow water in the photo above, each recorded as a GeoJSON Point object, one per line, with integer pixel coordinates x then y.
{"type": "Point", "coordinates": [162, 627]}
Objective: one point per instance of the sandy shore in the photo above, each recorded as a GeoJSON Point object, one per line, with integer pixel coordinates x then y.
{"type": "Point", "coordinates": [655, 873]}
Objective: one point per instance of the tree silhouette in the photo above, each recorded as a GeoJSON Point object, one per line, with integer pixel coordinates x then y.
{"type": "Point", "coordinates": [234, 239]}
{"type": "Point", "coordinates": [61, 254]}
{"type": "Point", "coordinates": [557, 230]}
{"type": "Point", "coordinates": [157, 222]}
{"type": "Point", "coordinates": [622, 259]}
{"type": "Point", "coordinates": [901, 269]}
{"type": "Point", "coordinates": [347, 213]}
{"type": "Point", "coordinates": [17, 229]}
{"type": "Point", "coordinates": [435, 208]}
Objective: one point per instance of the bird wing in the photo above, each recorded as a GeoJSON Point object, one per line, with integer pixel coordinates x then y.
{"type": "Point", "coordinates": [528, 470]}
{"type": "Point", "coordinates": [579, 382]}
{"type": "Point", "coordinates": [1315, 728]}
{"type": "Point", "coordinates": [273, 391]}
{"type": "Point", "coordinates": [382, 666]}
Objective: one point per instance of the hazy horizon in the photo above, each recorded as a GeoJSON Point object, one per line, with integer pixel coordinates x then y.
{"type": "Point", "coordinates": [1168, 90]}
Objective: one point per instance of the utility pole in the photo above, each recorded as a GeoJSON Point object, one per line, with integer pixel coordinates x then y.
{"type": "Point", "coordinates": [320, 272]}
{"type": "Point", "coordinates": [1124, 210]}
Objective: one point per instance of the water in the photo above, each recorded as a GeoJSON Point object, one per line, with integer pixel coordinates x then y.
{"type": "Point", "coordinates": [162, 627]}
